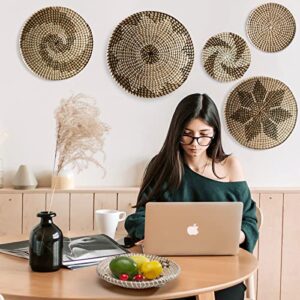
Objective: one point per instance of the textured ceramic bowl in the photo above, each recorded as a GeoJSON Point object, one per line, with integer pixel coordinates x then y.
{"type": "Point", "coordinates": [170, 271]}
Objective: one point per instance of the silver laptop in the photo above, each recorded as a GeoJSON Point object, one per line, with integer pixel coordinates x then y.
{"type": "Point", "coordinates": [193, 228]}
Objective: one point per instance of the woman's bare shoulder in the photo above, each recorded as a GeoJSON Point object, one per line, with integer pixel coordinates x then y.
{"type": "Point", "coordinates": [234, 169]}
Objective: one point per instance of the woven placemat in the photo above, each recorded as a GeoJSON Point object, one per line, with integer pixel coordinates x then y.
{"type": "Point", "coordinates": [226, 56]}
{"type": "Point", "coordinates": [56, 43]}
{"type": "Point", "coordinates": [261, 112]}
{"type": "Point", "coordinates": [150, 54]}
{"type": "Point", "coordinates": [271, 27]}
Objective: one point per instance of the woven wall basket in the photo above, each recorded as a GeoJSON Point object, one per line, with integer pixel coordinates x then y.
{"type": "Point", "coordinates": [261, 112]}
{"type": "Point", "coordinates": [56, 43]}
{"type": "Point", "coordinates": [150, 54]}
{"type": "Point", "coordinates": [271, 27]}
{"type": "Point", "coordinates": [226, 56]}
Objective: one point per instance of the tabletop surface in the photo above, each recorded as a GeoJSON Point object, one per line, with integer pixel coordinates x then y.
{"type": "Point", "coordinates": [199, 274]}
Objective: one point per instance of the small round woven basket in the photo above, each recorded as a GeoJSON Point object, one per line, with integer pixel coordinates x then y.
{"type": "Point", "coordinates": [56, 43]}
{"type": "Point", "coordinates": [226, 56]}
{"type": "Point", "coordinates": [150, 54]}
{"type": "Point", "coordinates": [261, 112]}
{"type": "Point", "coordinates": [271, 27]}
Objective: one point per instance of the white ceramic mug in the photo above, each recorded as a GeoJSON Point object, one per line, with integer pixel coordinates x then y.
{"type": "Point", "coordinates": [107, 220]}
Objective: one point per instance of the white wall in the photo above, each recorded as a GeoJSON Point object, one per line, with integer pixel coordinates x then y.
{"type": "Point", "coordinates": [138, 125]}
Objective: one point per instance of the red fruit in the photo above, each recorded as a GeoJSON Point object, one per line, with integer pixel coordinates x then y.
{"type": "Point", "coordinates": [138, 277]}
{"type": "Point", "coordinates": [124, 277]}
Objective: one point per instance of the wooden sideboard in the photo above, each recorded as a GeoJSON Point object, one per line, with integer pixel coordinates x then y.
{"type": "Point", "coordinates": [74, 208]}
{"type": "Point", "coordinates": [278, 249]}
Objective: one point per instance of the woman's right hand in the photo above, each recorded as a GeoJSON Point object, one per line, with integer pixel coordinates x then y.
{"type": "Point", "coordinates": [140, 243]}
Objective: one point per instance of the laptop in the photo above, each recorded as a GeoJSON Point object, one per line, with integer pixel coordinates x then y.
{"type": "Point", "coordinates": [192, 228]}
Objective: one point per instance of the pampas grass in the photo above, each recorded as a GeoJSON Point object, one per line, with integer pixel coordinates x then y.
{"type": "Point", "coordinates": [79, 134]}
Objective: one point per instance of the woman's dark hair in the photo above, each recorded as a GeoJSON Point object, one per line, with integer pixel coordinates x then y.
{"type": "Point", "coordinates": [166, 169]}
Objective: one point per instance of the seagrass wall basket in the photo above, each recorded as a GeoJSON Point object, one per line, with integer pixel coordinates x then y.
{"type": "Point", "coordinates": [150, 54]}
{"type": "Point", "coordinates": [56, 43]}
{"type": "Point", "coordinates": [271, 27]}
{"type": "Point", "coordinates": [261, 112]}
{"type": "Point", "coordinates": [226, 56]}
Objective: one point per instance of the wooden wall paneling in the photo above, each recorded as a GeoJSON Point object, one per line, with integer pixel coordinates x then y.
{"type": "Point", "coordinates": [61, 206]}
{"type": "Point", "coordinates": [125, 203]}
{"type": "Point", "coordinates": [10, 214]}
{"type": "Point", "coordinates": [291, 248]}
{"type": "Point", "coordinates": [104, 201]}
{"type": "Point", "coordinates": [32, 204]}
{"type": "Point", "coordinates": [270, 247]}
{"type": "Point", "coordinates": [81, 212]}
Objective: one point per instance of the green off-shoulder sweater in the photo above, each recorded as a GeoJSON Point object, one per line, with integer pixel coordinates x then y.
{"type": "Point", "coordinates": [194, 188]}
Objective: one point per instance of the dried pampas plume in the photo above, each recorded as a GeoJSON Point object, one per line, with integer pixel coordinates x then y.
{"type": "Point", "coordinates": [79, 133]}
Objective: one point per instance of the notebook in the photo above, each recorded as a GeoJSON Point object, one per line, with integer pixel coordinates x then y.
{"type": "Point", "coordinates": [192, 228]}
{"type": "Point", "coordinates": [78, 252]}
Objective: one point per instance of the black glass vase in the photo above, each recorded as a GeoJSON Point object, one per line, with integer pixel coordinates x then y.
{"type": "Point", "coordinates": [45, 244]}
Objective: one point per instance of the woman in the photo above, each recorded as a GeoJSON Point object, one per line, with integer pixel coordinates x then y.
{"type": "Point", "coordinates": [192, 166]}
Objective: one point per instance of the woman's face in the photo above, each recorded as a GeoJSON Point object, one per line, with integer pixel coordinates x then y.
{"type": "Point", "coordinates": [196, 137]}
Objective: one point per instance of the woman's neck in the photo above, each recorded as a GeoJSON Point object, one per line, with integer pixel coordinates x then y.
{"type": "Point", "coordinates": [196, 163]}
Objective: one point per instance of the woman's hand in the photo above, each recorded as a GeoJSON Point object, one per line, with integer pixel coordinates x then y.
{"type": "Point", "coordinates": [140, 243]}
{"type": "Point", "coordinates": [242, 237]}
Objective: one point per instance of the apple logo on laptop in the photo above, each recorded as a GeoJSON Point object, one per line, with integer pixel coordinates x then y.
{"type": "Point", "coordinates": [193, 229]}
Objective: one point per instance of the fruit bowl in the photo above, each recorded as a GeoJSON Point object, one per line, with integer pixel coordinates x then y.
{"type": "Point", "coordinates": [170, 271]}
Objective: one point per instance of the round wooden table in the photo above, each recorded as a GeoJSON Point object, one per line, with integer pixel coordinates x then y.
{"type": "Point", "coordinates": [200, 275]}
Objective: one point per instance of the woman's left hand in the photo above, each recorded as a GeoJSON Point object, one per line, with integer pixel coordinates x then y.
{"type": "Point", "coordinates": [242, 237]}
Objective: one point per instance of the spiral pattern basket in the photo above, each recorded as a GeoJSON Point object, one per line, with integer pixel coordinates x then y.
{"type": "Point", "coordinates": [271, 27]}
{"type": "Point", "coordinates": [170, 271]}
{"type": "Point", "coordinates": [226, 56]}
{"type": "Point", "coordinates": [261, 112]}
{"type": "Point", "coordinates": [150, 54]}
{"type": "Point", "coordinates": [56, 43]}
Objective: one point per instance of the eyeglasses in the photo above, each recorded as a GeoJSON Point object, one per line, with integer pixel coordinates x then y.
{"type": "Point", "coordinates": [202, 140]}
